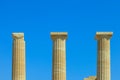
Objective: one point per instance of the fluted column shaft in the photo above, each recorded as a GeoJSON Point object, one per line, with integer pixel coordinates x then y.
{"type": "Point", "coordinates": [103, 60]}
{"type": "Point", "coordinates": [18, 62]}
{"type": "Point", "coordinates": [59, 57]}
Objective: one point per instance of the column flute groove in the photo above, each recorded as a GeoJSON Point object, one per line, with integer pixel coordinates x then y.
{"type": "Point", "coordinates": [59, 55]}
{"type": "Point", "coordinates": [18, 59]}
{"type": "Point", "coordinates": [103, 58]}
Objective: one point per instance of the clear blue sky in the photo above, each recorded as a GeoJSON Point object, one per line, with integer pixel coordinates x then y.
{"type": "Point", "coordinates": [80, 18]}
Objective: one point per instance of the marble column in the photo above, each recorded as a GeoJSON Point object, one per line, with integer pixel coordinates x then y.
{"type": "Point", "coordinates": [59, 55]}
{"type": "Point", "coordinates": [103, 59]}
{"type": "Point", "coordinates": [18, 57]}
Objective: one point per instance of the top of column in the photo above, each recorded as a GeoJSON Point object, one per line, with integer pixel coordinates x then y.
{"type": "Point", "coordinates": [55, 35]}
{"type": "Point", "coordinates": [100, 35]}
{"type": "Point", "coordinates": [18, 35]}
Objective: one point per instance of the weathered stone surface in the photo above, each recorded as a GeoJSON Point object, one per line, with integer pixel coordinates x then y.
{"type": "Point", "coordinates": [18, 35]}
{"type": "Point", "coordinates": [103, 62]}
{"type": "Point", "coordinates": [91, 78]}
{"type": "Point", "coordinates": [18, 61]}
{"type": "Point", "coordinates": [59, 55]}
{"type": "Point", "coordinates": [100, 35]}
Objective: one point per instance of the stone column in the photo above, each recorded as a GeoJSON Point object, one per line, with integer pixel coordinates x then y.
{"type": "Point", "coordinates": [59, 55]}
{"type": "Point", "coordinates": [18, 59]}
{"type": "Point", "coordinates": [103, 60]}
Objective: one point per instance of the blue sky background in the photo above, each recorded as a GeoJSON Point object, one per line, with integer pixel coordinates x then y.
{"type": "Point", "coordinates": [80, 18]}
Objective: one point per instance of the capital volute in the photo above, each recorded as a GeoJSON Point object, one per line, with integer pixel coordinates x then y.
{"type": "Point", "coordinates": [18, 35]}
{"type": "Point", "coordinates": [100, 35]}
{"type": "Point", "coordinates": [56, 35]}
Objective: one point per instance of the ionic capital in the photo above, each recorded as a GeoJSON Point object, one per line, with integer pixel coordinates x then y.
{"type": "Point", "coordinates": [100, 35]}
{"type": "Point", "coordinates": [56, 35]}
{"type": "Point", "coordinates": [18, 35]}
